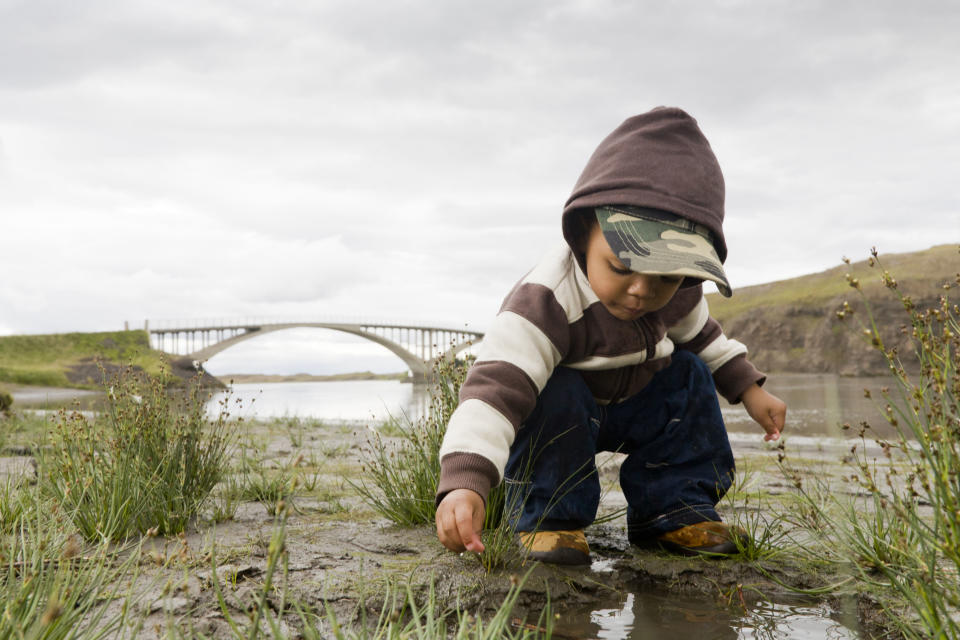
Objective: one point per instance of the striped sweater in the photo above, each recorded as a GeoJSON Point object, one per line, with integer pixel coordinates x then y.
{"type": "Point", "coordinates": [553, 318]}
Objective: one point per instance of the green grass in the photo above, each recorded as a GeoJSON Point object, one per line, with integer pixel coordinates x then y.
{"type": "Point", "coordinates": [51, 587]}
{"type": "Point", "coordinates": [922, 271]}
{"type": "Point", "coordinates": [45, 359]}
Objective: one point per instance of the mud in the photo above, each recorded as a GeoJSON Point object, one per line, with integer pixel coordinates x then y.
{"type": "Point", "coordinates": [345, 562]}
{"type": "Point", "coordinates": [343, 558]}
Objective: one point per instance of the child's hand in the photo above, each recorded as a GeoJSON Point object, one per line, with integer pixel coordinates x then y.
{"type": "Point", "coordinates": [459, 520]}
{"type": "Point", "coordinates": [769, 411]}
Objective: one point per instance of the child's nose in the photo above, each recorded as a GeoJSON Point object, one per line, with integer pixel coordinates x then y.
{"type": "Point", "coordinates": [643, 286]}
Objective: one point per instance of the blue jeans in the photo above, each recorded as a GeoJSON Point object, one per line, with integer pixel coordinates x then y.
{"type": "Point", "coordinates": [678, 466]}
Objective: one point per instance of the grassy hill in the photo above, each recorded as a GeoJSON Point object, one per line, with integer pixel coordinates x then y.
{"type": "Point", "coordinates": [791, 325]}
{"type": "Point", "coordinates": [70, 359]}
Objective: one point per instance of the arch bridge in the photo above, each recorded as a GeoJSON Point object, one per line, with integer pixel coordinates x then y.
{"type": "Point", "coordinates": [417, 345]}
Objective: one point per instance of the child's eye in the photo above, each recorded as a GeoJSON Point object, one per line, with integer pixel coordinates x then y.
{"type": "Point", "coordinates": [671, 279]}
{"type": "Point", "coordinates": [619, 270]}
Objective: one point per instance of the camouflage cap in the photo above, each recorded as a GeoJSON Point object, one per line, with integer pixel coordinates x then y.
{"type": "Point", "coordinates": [658, 242]}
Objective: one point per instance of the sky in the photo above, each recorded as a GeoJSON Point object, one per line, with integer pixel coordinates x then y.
{"type": "Point", "coordinates": [408, 161]}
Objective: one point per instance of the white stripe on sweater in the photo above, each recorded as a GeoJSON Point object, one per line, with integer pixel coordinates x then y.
{"type": "Point", "coordinates": [720, 351]}
{"type": "Point", "coordinates": [560, 273]}
{"type": "Point", "coordinates": [599, 363]}
{"type": "Point", "coordinates": [476, 427]}
{"type": "Point", "coordinates": [516, 340]}
{"type": "Point", "coordinates": [691, 324]}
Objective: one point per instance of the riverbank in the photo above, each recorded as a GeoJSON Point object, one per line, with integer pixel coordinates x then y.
{"type": "Point", "coordinates": [342, 558]}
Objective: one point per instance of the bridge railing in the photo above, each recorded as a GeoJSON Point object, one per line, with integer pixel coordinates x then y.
{"type": "Point", "coordinates": [202, 324]}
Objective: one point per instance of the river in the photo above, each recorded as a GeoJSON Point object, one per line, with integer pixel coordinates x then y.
{"type": "Point", "coordinates": [818, 404]}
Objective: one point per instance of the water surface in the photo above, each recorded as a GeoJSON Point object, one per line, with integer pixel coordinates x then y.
{"type": "Point", "coordinates": [651, 614]}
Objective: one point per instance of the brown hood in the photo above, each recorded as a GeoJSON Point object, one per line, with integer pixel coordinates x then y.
{"type": "Point", "coordinates": [659, 159]}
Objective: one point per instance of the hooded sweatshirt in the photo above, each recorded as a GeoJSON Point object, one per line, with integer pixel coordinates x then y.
{"type": "Point", "coordinates": [552, 317]}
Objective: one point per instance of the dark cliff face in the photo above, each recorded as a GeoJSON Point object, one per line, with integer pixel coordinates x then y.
{"type": "Point", "coordinates": [812, 339]}
{"type": "Point", "coordinates": [183, 371]}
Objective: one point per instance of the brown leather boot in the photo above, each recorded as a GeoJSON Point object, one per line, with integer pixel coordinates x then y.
{"type": "Point", "coordinates": [706, 537]}
{"type": "Point", "coordinates": [556, 547]}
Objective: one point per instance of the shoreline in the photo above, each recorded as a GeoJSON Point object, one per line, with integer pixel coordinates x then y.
{"type": "Point", "coordinates": [243, 378]}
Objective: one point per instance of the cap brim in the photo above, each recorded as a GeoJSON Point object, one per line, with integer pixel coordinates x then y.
{"type": "Point", "coordinates": [658, 243]}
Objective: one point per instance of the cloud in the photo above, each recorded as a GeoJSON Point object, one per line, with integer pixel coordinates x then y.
{"type": "Point", "coordinates": [411, 159]}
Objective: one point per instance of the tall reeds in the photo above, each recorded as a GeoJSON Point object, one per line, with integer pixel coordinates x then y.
{"type": "Point", "coordinates": [146, 463]}
{"type": "Point", "coordinates": [904, 536]}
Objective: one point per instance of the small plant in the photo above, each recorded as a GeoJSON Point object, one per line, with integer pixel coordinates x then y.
{"type": "Point", "coordinates": [6, 402]}
{"type": "Point", "coordinates": [269, 486]}
{"type": "Point", "coordinates": [767, 535]}
{"type": "Point", "coordinates": [146, 463]}
{"type": "Point", "coordinates": [225, 499]}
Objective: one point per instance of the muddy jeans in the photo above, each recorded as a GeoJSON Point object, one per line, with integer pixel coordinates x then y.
{"type": "Point", "coordinates": [678, 466]}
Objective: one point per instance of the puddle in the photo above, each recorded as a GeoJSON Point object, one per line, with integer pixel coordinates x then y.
{"type": "Point", "coordinates": [663, 616]}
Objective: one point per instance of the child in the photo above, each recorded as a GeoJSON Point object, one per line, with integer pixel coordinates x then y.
{"type": "Point", "coordinates": [607, 345]}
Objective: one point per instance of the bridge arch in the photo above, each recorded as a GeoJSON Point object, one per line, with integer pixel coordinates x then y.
{"type": "Point", "coordinates": [416, 346]}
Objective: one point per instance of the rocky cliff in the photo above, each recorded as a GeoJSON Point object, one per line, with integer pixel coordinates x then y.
{"type": "Point", "coordinates": [792, 325]}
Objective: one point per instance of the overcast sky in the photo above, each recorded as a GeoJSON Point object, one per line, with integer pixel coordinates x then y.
{"type": "Point", "coordinates": [409, 160]}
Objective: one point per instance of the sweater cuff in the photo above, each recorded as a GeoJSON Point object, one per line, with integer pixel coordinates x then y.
{"type": "Point", "coordinates": [466, 471]}
{"type": "Point", "coordinates": [735, 377]}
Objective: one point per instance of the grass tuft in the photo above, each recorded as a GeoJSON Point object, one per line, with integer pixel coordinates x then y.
{"type": "Point", "coordinates": [146, 463]}
{"type": "Point", "coordinates": [52, 587]}
{"type": "Point", "coordinates": [404, 472]}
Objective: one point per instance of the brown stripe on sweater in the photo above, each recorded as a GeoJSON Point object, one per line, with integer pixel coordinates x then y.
{"type": "Point", "coordinates": [539, 305]}
{"type": "Point", "coordinates": [598, 333]}
{"type": "Point", "coordinates": [502, 385]}
{"type": "Point", "coordinates": [614, 385]}
{"type": "Point", "coordinates": [681, 304]}
{"type": "Point", "coordinates": [710, 332]}
{"type": "Point", "coordinates": [733, 378]}
{"type": "Point", "coordinates": [466, 471]}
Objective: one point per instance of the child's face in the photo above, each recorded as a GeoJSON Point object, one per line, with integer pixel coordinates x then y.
{"type": "Point", "coordinates": [627, 295]}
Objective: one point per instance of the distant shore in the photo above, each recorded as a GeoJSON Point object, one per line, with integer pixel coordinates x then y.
{"type": "Point", "coordinates": [243, 378]}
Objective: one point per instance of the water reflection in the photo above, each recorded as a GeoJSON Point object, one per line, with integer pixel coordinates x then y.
{"type": "Point", "coordinates": [656, 615]}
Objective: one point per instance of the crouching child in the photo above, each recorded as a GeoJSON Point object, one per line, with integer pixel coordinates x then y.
{"type": "Point", "coordinates": [607, 344]}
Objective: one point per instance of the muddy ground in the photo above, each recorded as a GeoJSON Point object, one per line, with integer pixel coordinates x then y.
{"type": "Point", "coordinates": [343, 556]}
